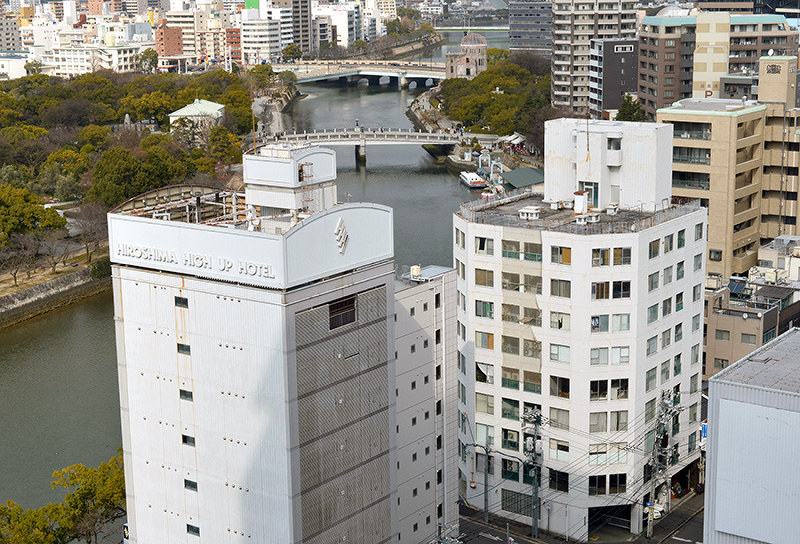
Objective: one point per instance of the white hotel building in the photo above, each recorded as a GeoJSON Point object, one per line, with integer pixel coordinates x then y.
{"type": "Point", "coordinates": [262, 395]}
{"type": "Point", "coordinates": [585, 304]}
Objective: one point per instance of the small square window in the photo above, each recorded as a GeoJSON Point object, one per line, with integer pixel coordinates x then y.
{"type": "Point", "coordinates": [188, 440]}
{"type": "Point", "coordinates": [181, 302]}
{"type": "Point", "coordinates": [413, 348]}
{"type": "Point", "coordinates": [413, 422]}
{"type": "Point", "coordinates": [413, 385]}
{"type": "Point", "coordinates": [413, 457]}
{"type": "Point", "coordinates": [191, 485]}
{"type": "Point", "coordinates": [425, 307]}
{"type": "Point", "coordinates": [424, 343]}
{"type": "Point", "coordinates": [185, 349]}
{"type": "Point", "coordinates": [193, 529]}
{"type": "Point", "coordinates": [413, 311]}
{"type": "Point", "coordinates": [186, 395]}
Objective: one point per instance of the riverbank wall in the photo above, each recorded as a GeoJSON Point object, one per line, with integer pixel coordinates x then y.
{"type": "Point", "coordinates": [47, 296]}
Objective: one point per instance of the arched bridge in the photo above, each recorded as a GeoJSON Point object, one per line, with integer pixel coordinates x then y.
{"type": "Point", "coordinates": [361, 136]}
{"type": "Point", "coordinates": [401, 72]}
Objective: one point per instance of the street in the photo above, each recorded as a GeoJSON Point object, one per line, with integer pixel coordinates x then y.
{"type": "Point", "coordinates": [473, 532]}
{"type": "Point", "coordinates": [691, 533]}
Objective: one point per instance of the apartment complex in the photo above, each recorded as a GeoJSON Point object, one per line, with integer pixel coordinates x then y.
{"type": "Point", "coordinates": [685, 56]}
{"type": "Point", "coordinates": [261, 40]}
{"type": "Point", "coordinates": [191, 23]}
{"type": "Point", "coordinates": [575, 24]}
{"type": "Point", "coordinates": [10, 37]}
{"type": "Point", "coordinates": [530, 26]}
{"type": "Point", "coordinates": [585, 305]}
{"type": "Point", "coordinates": [613, 73]}
{"type": "Point", "coordinates": [169, 41]}
{"type": "Point", "coordinates": [741, 158]}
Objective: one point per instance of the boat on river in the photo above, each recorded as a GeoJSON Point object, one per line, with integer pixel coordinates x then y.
{"type": "Point", "coordinates": [472, 180]}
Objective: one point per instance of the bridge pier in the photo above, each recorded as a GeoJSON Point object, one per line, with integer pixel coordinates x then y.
{"type": "Point", "coordinates": [402, 82]}
{"type": "Point", "coordinates": [361, 152]}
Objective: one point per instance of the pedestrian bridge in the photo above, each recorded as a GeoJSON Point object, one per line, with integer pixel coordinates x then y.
{"type": "Point", "coordinates": [361, 136]}
{"type": "Point", "coordinates": [351, 71]}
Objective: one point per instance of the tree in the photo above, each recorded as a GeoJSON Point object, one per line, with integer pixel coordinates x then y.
{"type": "Point", "coordinates": [147, 61]}
{"type": "Point", "coordinates": [261, 76]}
{"type": "Point", "coordinates": [33, 67]}
{"type": "Point", "coordinates": [292, 52]}
{"type": "Point", "coordinates": [34, 526]}
{"type": "Point", "coordinates": [21, 211]}
{"type": "Point", "coordinates": [223, 146]}
{"type": "Point", "coordinates": [55, 246]}
{"type": "Point", "coordinates": [409, 12]}
{"type": "Point", "coordinates": [17, 133]}
{"type": "Point", "coordinates": [95, 498]}
{"type": "Point", "coordinates": [631, 110]}
{"type": "Point", "coordinates": [287, 78]}
{"type": "Point", "coordinates": [359, 46]}
{"type": "Point", "coordinates": [69, 160]}
{"type": "Point", "coordinates": [16, 255]}
{"type": "Point", "coordinates": [113, 176]}
{"type": "Point", "coordinates": [93, 226]}
{"type": "Point", "coordinates": [94, 135]}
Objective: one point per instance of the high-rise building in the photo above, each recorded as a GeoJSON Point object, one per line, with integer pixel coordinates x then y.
{"type": "Point", "coordinates": [575, 23]}
{"type": "Point", "coordinates": [301, 21]}
{"type": "Point", "coordinates": [581, 305]}
{"type": "Point", "coordinates": [10, 37]}
{"type": "Point", "coordinates": [613, 73]}
{"type": "Point", "coordinates": [530, 26]}
{"type": "Point", "coordinates": [191, 24]}
{"type": "Point", "coordinates": [251, 375]}
{"type": "Point", "coordinates": [685, 56]}
{"type": "Point", "coordinates": [261, 39]}
{"type": "Point", "coordinates": [169, 41]}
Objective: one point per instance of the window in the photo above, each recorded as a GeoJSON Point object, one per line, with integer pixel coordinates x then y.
{"type": "Point", "coordinates": [695, 322]}
{"type": "Point", "coordinates": [652, 281]}
{"type": "Point", "coordinates": [696, 292]}
{"type": "Point", "coordinates": [721, 334]}
{"type": "Point", "coordinates": [510, 249]}
{"type": "Point", "coordinates": [533, 252]}
{"type": "Point", "coordinates": [484, 309]}
{"type": "Point", "coordinates": [484, 246]}
{"type": "Point", "coordinates": [532, 284]}
{"type": "Point", "coordinates": [510, 439]}
{"type": "Point", "coordinates": [681, 238]}
{"type": "Point", "coordinates": [510, 281]}
{"type": "Point", "coordinates": [652, 345]}
{"type": "Point", "coordinates": [559, 320]}
{"type": "Point", "coordinates": [559, 387]}
{"type": "Point", "coordinates": [600, 290]}
{"type": "Point", "coordinates": [599, 323]}
{"type": "Point", "coordinates": [193, 529]}
{"type": "Point", "coordinates": [484, 277]}
{"type": "Point", "coordinates": [598, 422]}
{"type": "Point", "coordinates": [664, 371]}
{"type": "Point", "coordinates": [649, 413]}
{"type": "Point", "coordinates": [191, 485]}
{"type": "Point", "coordinates": [652, 313]}
{"type": "Point", "coordinates": [186, 395]}
{"type": "Point", "coordinates": [598, 356]}
{"type": "Point", "coordinates": [185, 349]}
{"type": "Point", "coordinates": [698, 231]}
{"type": "Point", "coordinates": [598, 390]}
{"type": "Point", "coordinates": [412, 311]}
{"type": "Point", "coordinates": [510, 344]}
{"type": "Point", "coordinates": [559, 450]}
{"type": "Point", "coordinates": [692, 442]}
{"type": "Point", "coordinates": [667, 274]}
{"type": "Point", "coordinates": [654, 248]}
{"type": "Point", "coordinates": [619, 389]}
{"type": "Point", "coordinates": [668, 240]}
{"type": "Point", "coordinates": [748, 338]}
{"type": "Point", "coordinates": [560, 288]}
{"type": "Point", "coordinates": [559, 353]}
{"type": "Point", "coordinates": [510, 377]}
{"type": "Point", "coordinates": [693, 413]}
{"type": "Point", "coordinates": [666, 307]}
{"type": "Point", "coordinates": [650, 379]}
{"type": "Point", "coordinates": [680, 270]}
{"type": "Point", "coordinates": [677, 364]}
{"type": "Point", "coordinates": [188, 440]}
{"type": "Point", "coordinates": [560, 255]}
{"type": "Point", "coordinates": [622, 289]}
{"type": "Point", "coordinates": [617, 484]}
{"type": "Point", "coordinates": [510, 409]}
{"type": "Point", "coordinates": [715, 255]}
{"type": "Point", "coordinates": [620, 322]}
{"type": "Point", "coordinates": [531, 348]}
{"type": "Point", "coordinates": [620, 355]}
{"type": "Point", "coordinates": [698, 262]}
{"type": "Point", "coordinates": [181, 302]}
{"type": "Point", "coordinates": [597, 454]}
{"type": "Point", "coordinates": [597, 485]}
{"type": "Point", "coordinates": [719, 364]}
{"type": "Point", "coordinates": [484, 403]}
{"type": "Point", "coordinates": [622, 255]}
{"type": "Point", "coordinates": [695, 354]}
{"type": "Point", "coordinates": [600, 257]}
{"type": "Point", "coordinates": [532, 382]}
{"type": "Point", "coordinates": [342, 312]}
{"type": "Point", "coordinates": [559, 419]}
{"type": "Point", "coordinates": [694, 382]}
{"type": "Point", "coordinates": [559, 481]}
{"type": "Point", "coordinates": [484, 340]}
{"type": "Point", "coordinates": [619, 421]}
{"type": "Point", "coordinates": [460, 239]}
{"type": "Point", "coordinates": [484, 372]}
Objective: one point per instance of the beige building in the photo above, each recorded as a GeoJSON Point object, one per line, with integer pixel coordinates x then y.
{"type": "Point", "coordinates": [470, 61]}
{"type": "Point", "coordinates": [575, 24]}
{"type": "Point", "coordinates": [717, 158]}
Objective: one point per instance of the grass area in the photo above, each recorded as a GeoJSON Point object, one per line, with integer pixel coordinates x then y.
{"type": "Point", "coordinates": [43, 272]}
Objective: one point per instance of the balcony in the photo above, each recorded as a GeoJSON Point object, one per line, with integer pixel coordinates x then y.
{"type": "Point", "coordinates": [507, 254]}
{"type": "Point", "coordinates": [510, 384]}
{"type": "Point", "coordinates": [686, 184]}
{"type": "Point", "coordinates": [686, 159]}
{"type": "Point", "coordinates": [530, 387]}
{"type": "Point", "coordinates": [694, 135]}
{"type": "Point", "coordinates": [510, 474]}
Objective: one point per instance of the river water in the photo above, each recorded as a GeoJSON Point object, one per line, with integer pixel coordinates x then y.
{"type": "Point", "coordinates": [59, 402]}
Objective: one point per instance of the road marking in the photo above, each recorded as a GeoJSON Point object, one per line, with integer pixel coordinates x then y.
{"type": "Point", "coordinates": [487, 535]}
{"type": "Point", "coordinates": [681, 539]}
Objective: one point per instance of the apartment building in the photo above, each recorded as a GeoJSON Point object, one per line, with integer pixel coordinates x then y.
{"type": "Point", "coordinates": [575, 24]}
{"type": "Point", "coordinates": [613, 73]}
{"type": "Point", "coordinates": [233, 43]}
{"type": "Point", "coordinates": [345, 21]}
{"type": "Point", "coordinates": [74, 61]}
{"type": "Point", "coordinates": [530, 26]}
{"type": "Point", "coordinates": [322, 32]}
{"type": "Point", "coordinates": [724, 44]}
{"type": "Point", "coordinates": [301, 21]}
{"type": "Point", "coordinates": [261, 40]}
{"type": "Point", "coordinates": [584, 305]}
{"type": "Point", "coordinates": [10, 37]}
{"type": "Point", "coordinates": [169, 41]}
{"type": "Point", "coordinates": [191, 24]}
{"type": "Point", "coordinates": [427, 403]}
{"type": "Point", "coordinates": [284, 16]}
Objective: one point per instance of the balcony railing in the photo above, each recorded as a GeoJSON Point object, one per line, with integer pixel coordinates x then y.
{"type": "Point", "coordinates": [536, 257]}
{"type": "Point", "coordinates": [691, 160]}
{"type": "Point", "coordinates": [510, 474]}
{"type": "Point", "coordinates": [694, 135]}
{"type": "Point", "coordinates": [511, 384]}
{"type": "Point", "coordinates": [510, 254]}
{"type": "Point", "coordinates": [691, 184]}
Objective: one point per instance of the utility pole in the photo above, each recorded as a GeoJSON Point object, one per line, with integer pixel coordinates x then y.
{"type": "Point", "coordinates": [445, 535]}
{"type": "Point", "coordinates": [661, 451]}
{"type": "Point", "coordinates": [533, 452]}
{"type": "Point", "coordinates": [487, 450]}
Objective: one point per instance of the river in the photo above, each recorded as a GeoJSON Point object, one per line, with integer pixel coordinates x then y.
{"type": "Point", "coordinates": [59, 401]}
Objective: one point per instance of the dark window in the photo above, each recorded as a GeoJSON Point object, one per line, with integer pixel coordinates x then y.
{"type": "Point", "coordinates": [438, 407]}
{"type": "Point", "coordinates": [188, 440]}
{"type": "Point", "coordinates": [185, 349]}
{"type": "Point", "coordinates": [193, 529]}
{"type": "Point", "coordinates": [439, 511]}
{"type": "Point", "coordinates": [439, 442]}
{"type": "Point", "coordinates": [438, 372]}
{"type": "Point", "coordinates": [342, 312]}
{"type": "Point", "coordinates": [190, 485]}
{"type": "Point", "coordinates": [439, 476]}
{"type": "Point", "coordinates": [181, 302]}
{"type": "Point", "coordinates": [186, 395]}
{"type": "Point", "coordinates": [438, 336]}
{"type": "Point", "coordinates": [437, 300]}
{"type": "Point", "coordinates": [559, 480]}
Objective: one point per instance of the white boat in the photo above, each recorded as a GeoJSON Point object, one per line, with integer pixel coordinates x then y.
{"type": "Point", "coordinates": [472, 180]}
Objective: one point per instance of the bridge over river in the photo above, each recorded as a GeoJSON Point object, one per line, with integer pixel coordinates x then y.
{"type": "Point", "coordinates": [402, 73]}
{"type": "Point", "coordinates": [360, 136]}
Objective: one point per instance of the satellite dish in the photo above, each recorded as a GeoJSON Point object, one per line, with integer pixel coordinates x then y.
{"type": "Point", "coordinates": [771, 52]}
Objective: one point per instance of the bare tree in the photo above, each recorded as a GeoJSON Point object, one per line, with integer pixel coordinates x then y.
{"type": "Point", "coordinates": [54, 245]}
{"type": "Point", "coordinates": [92, 223]}
{"type": "Point", "coordinates": [16, 255]}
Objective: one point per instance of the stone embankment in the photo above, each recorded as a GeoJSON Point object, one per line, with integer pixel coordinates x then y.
{"type": "Point", "coordinates": [49, 295]}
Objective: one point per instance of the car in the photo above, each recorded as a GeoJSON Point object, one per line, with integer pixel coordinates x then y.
{"type": "Point", "coordinates": [658, 511]}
